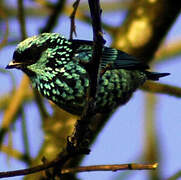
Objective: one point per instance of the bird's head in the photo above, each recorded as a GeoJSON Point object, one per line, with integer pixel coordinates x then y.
{"type": "Point", "coordinates": [34, 52]}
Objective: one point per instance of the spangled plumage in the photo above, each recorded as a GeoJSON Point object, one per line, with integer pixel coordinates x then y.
{"type": "Point", "coordinates": [56, 67]}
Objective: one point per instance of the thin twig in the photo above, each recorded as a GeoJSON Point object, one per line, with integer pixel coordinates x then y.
{"type": "Point", "coordinates": [72, 19]}
{"type": "Point", "coordinates": [83, 16]}
{"type": "Point", "coordinates": [115, 167]}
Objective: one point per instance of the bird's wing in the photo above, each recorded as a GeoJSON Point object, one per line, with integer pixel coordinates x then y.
{"type": "Point", "coordinates": [82, 50]}
{"type": "Point", "coordinates": [111, 58]}
{"type": "Point", "coordinates": [117, 59]}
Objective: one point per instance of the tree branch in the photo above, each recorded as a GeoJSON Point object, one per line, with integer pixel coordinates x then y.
{"type": "Point", "coordinates": [115, 167]}
{"type": "Point", "coordinates": [80, 139]}
{"type": "Point", "coordinates": [95, 11]}
{"type": "Point", "coordinates": [143, 17]}
{"type": "Point", "coordinates": [14, 106]}
{"type": "Point", "coordinates": [21, 17]}
{"type": "Point", "coordinates": [167, 52]}
{"type": "Point", "coordinates": [4, 18]}
{"type": "Point", "coordinates": [52, 19]}
{"type": "Point", "coordinates": [162, 89]}
{"type": "Point", "coordinates": [176, 176]}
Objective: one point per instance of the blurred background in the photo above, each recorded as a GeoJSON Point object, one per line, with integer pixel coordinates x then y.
{"type": "Point", "coordinates": [145, 130]}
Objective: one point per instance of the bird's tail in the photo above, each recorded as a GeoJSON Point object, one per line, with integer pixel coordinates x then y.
{"type": "Point", "coordinates": [155, 76]}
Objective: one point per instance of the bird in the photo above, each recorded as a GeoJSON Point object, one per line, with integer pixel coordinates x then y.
{"type": "Point", "coordinates": [59, 69]}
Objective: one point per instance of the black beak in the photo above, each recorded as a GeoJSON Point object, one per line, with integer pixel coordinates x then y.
{"type": "Point", "coordinates": [14, 64]}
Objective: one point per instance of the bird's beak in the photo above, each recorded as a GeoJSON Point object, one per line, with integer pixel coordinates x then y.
{"type": "Point", "coordinates": [14, 64]}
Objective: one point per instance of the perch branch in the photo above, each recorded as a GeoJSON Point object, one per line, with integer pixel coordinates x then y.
{"type": "Point", "coordinates": [115, 167]}
{"type": "Point", "coordinates": [72, 19]}
{"type": "Point", "coordinates": [80, 139]}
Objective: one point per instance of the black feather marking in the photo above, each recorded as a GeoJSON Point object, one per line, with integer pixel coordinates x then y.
{"type": "Point", "coordinates": [155, 76]}
{"type": "Point", "coordinates": [111, 57]}
{"type": "Point", "coordinates": [120, 60]}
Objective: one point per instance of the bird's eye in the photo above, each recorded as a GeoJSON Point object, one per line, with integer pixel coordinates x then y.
{"type": "Point", "coordinates": [16, 56]}
{"type": "Point", "coordinates": [31, 55]}
{"type": "Point", "coordinates": [35, 55]}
